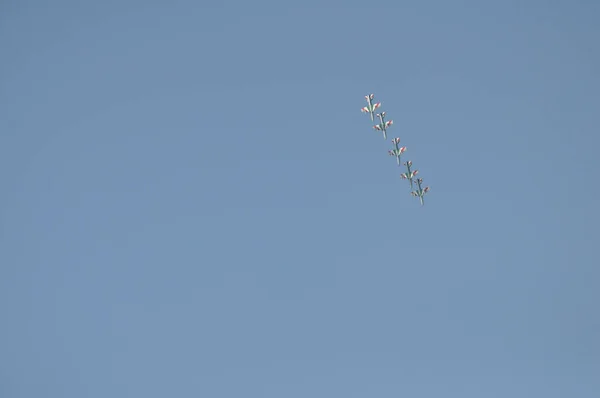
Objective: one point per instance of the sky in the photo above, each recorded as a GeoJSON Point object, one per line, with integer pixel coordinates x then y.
{"type": "Point", "coordinates": [193, 205]}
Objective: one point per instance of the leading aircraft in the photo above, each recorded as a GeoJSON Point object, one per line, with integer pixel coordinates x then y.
{"type": "Point", "coordinates": [370, 108]}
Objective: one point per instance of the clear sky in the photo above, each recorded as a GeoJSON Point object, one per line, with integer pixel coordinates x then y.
{"type": "Point", "coordinates": [193, 205]}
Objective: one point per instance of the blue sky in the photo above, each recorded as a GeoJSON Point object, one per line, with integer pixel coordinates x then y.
{"type": "Point", "coordinates": [194, 206]}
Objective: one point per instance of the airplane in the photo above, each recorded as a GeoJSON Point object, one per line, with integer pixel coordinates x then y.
{"type": "Point", "coordinates": [420, 192]}
{"type": "Point", "coordinates": [370, 108]}
{"type": "Point", "coordinates": [383, 125]}
{"type": "Point", "coordinates": [409, 175]}
{"type": "Point", "coordinates": [397, 151]}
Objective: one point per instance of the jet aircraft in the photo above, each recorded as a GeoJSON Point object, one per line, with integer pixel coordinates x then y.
{"type": "Point", "coordinates": [370, 108]}
{"type": "Point", "coordinates": [410, 174]}
{"type": "Point", "coordinates": [383, 126]}
{"type": "Point", "coordinates": [420, 192]}
{"type": "Point", "coordinates": [397, 151]}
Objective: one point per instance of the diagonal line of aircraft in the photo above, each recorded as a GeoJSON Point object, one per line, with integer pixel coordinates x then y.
{"type": "Point", "coordinates": [397, 151]}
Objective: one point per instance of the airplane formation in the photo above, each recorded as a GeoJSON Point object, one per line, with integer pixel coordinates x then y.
{"type": "Point", "coordinates": [397, 151]}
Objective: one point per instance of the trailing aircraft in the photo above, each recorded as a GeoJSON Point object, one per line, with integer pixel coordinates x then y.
{"type": "Point", "coordinates": [420, 192]}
